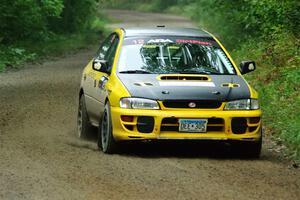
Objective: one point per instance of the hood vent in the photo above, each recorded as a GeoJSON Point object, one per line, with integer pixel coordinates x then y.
{"type": "Point", "coordinates": [143, 84]}
{"type": "Point", "coordinates": [230, 85]}
{"type": "Point", "coordinates": [183, 78]}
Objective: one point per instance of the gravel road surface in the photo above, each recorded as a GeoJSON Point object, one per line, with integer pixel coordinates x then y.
{"type": "Point", "coordinates": [41, 157]}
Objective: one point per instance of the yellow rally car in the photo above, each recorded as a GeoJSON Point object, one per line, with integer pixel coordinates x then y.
{"type": "Point", "coordinates": [174, 84]}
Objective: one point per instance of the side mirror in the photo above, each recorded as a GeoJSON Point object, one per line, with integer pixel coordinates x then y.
{"type": "Point", "coordinates": [101, 66]}
{"type": "Point", "coordinates": [247, 66]}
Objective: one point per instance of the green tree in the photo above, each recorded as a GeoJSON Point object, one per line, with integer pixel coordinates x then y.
{"type": "Point", "coordinates": [22, 19]}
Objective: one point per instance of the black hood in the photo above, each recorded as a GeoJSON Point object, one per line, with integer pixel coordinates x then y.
{"type": "Point", "coordinates": [219, 88]}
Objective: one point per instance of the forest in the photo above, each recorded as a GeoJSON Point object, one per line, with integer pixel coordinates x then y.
{"type": "Point", "coordinates": [55, 25]}
{"type": "Point", "coordinates": [266, 31]}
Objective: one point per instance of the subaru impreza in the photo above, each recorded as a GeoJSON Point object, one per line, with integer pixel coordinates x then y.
{"type": "Point", "coordinates": [168, 84]}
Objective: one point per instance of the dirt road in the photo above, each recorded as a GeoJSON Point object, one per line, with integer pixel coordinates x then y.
{"type": "Point", "coordinates": [41, 157]}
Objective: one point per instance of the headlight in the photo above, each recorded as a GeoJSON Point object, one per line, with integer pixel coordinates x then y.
{"type": "Point", "coordinates": [243, 104]}
{"type": "Point", "coordinates": [138, 103]}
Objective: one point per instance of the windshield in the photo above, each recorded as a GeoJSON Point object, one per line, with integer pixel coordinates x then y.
{"type": "Point", "coordinates": [166, 55]}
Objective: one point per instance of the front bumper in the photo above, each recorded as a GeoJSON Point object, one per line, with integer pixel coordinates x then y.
{"type": "Point", "coordinates": [220, 125]}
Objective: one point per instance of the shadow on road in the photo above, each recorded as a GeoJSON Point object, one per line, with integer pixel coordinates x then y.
{"type": "Point", "coordinates": [175, 148]}
{"type": "Point", "coordinates": [181, 149]}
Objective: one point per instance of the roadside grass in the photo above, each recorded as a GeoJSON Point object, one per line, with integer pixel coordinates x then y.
{"type": "Point", "coordinates": [277, 80]}
{"type": "Point", "coordinates": [280, 101]}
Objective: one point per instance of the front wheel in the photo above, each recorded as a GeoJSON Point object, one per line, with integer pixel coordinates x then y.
{"type": "Point", "coordinates": [106, 141]}
{"type": "Point", "coordinates": [254, 150]}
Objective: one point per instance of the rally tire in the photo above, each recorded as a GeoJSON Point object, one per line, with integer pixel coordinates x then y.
{"type": "Point", "coordinates": [254, 149]}
{"type": "Point", "coordinates": [106, 141]}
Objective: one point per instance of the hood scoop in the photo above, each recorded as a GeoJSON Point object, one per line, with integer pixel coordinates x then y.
{"type": "Point", "coordinates": [230, 85]}
{"type": "Point", "coordinates": [183, 78]}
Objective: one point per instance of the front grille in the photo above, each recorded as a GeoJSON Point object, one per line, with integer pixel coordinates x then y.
{"type": "Point", "coordinates": [172, 124]}
{"type": "Point", "coordinates": [204, 104]}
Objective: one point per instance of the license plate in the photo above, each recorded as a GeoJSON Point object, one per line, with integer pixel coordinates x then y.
{"type": "Point", "coordinates": [193, 125]}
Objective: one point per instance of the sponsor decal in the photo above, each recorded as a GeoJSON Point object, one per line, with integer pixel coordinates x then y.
{"type": "Point", "coordinates": [169, 40]}
{"type": "Point", "coordinates": [194, 42]}
{"type": "Point", "coordinates": [160, 41]}
{"type": "Point", "coordinates": [139, 41]}
{"type": "Point", "coordinates": [153, 46]}
{"type": "Point", "coordinates": [102, 82]}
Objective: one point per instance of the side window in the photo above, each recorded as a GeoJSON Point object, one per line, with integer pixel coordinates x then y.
{"type": "Point", "coordinates": [110, 56]}
{"type": "Point", "coordinates": [104, 48]}
{"type": "Point", "coordinates": [108, 50]}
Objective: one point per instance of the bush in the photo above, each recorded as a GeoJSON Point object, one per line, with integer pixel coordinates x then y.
{"type": "Point", "coordinates": [12, 56]}
{"type": "Point", "coordinates": [28, 24]}
{"type": "Point", "coordinates": [36, 19]}
{"type": "Point", "coordinates": [76, 16]}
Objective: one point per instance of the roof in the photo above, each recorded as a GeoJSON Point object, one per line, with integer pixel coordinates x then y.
{"type": "Point", "coordinates": [191, 32]}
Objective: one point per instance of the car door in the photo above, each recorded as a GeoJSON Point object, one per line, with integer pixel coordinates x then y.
{"type": "Point", "coordinates": [99, 79]}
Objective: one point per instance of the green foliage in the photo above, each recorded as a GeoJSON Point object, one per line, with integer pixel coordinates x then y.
{"type": "Point", "coordinates": [12, 56]}
{"type": "Point", "coordinates": [21, 19]}
{"type": "Point", "coordinates": [36, 19]}
{"type": "Point", "coordinates": [76, 15]}
{"type": "Point", "coordinates": [281, 101]}
{"type": "Point", "coordinates": [143, 5]}
{"type": "Point", "coordinates": [26, 23]}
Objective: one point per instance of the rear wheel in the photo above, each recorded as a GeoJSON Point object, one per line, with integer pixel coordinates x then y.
{"type": "Point", "coordinates": [106, 141]}
{"type": "Point", "coordinates": [83, 125]}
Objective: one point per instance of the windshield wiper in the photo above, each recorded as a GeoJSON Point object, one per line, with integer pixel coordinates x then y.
{"type": "Point", "coordinates": [194, 72]}
{"type": "Point", "coordinates": [135, 72]}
